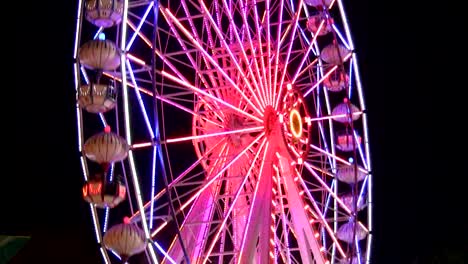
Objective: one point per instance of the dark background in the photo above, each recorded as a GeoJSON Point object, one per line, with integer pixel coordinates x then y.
{"type": "Point", "coordinates": [409, 58]}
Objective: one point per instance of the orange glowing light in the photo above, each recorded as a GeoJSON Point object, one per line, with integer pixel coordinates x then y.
{"type": "Point", "coordinates": [295, 124]}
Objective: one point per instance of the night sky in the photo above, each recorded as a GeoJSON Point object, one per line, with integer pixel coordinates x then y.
{"type": "Point", "coordinates": [410, 90]}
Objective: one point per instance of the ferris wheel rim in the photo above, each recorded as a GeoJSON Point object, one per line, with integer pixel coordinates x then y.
{"type": "Point", "coordinates": [250, 110]}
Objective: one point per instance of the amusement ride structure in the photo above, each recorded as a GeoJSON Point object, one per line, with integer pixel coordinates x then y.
{"type": "Point", "coordinates": [223, 131]}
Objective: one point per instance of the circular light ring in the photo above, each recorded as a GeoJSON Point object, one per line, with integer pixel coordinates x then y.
{"type": "Point", "coordinates": [295, 123]}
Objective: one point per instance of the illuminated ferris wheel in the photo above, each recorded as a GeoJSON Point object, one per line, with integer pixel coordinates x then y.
{"type": "Point", "coordinates": [224, 131]}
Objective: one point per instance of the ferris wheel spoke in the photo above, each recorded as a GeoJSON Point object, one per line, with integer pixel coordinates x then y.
{"type": "Point", "coordinates": [224, 168]}
{"type": "Point", "coordinates": [259, 216]}
{"type": "Point", "coordinates": [197, 114]}
{"type": "Point", "coordinates": [201, 205]}
{"type": "Point", "coordinates": [198, 137]}
{"type": "Point", "coordinates": [295, 16]}
{"type": "Point", "coordinates": [233, 203]}
{"type": "Point", "coordinates": [209, 70]}
{"type": "Point", "coordinates": [259, 51]}
{"type": "Point", "coordinates": [206, 55]}
{"type": "Point", "coordinates": [175, 249]}
{"type": "Point", "coordinates": [199, 91]}
{"type": "Point", "coordinates": [285, 255]}
{"type": "Point", "coordinates": [306, 55]}
{"type": "Point", "coordinates": [337, 158]}
{"type": "Point", "coordinates": [142, 20]}
{"type": "Point", "coordinates": [246, 80]}
{"type": "Point", "coordinates": [318, 211]}
{"type": "Point", "coordinates": [188, 52]}
{"type": "Point", "coordinates": [328, 188]}
{"type": "Point", "coordinates": [215, 150]}
{"type": "Point", "coordinates": [233, 58]}
{"type": "Point", "coordinates": [304, 231]}
{"type": "Point", "coordinates": [330, 71]}
{"type": "Point", "coordinates": [168, 99]}
{"type": "Point", "coordinates": [140, 101]}
{"type": "Point", "coordinates": [277, 52]}
{"type": "Point", "coordinates": [256, 78]}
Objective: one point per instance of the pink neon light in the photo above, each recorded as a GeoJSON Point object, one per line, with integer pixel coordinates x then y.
{"type": "Point", "coordinates": [334, 116]}
{"type": "Point", "coordinates": [135, 59]}
{"type": "Point", "coordinates": [326, 75]}
{"type": "Point", "coordinates": [260, 88]}
{"type": "Point", "coordinates": [245, 130]}
{"type": "Point", "coordinates": [308, 51]}
{"type": "Point", "coordinates": [262, 58]}
{"type": "Point", "coordinates": [288, 54]}
{"type": "Point", "coordinates": [257, 185]}
{"type": "Point", "coordinates": [160, 98]}
{"type": "Point", "coordinates": [335, 157]}
{"type": "Point", "coordinates": [236, 196]}
{"type": "Point", "coordinates": [205, 53]}
{"type": "Point", "coordinates": [176, 180]}
{"type": "Point", "coordinates": [146, 40]}
{"type": "Point", "coordinates": [129, 84]}
{"type": "Point", "coordinates": [221, 172]}
{"type": "Point", "coordinates": [210, 96]}
{"type": "Point", "coordinates": [326, 187]}
{"type": "Point", "coordinates": [249, 86]}
{"type": "Point", "coordinates": [142, 145]}
{"type": "Point", "coordinates": [323, 220]}
{"type": "Point", "coordinates": [277, 52]}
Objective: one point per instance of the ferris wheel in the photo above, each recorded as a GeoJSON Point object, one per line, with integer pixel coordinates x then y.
{"type": "Point", "coordinates": [224, 131]}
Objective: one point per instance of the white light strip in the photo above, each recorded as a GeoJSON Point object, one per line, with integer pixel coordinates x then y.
{"type": "Point", "coordinates": [350, 75]}
{"type": "Point", "coordinates": [106, 220]}
{"type": "Point", "coordinates": [364, 121]}
{"type": "Point", "coordinates": [164, 252]}
{"type": "Point", "coordinates": [153, 186]}
{"type": "Point", "coordinates": [307, 52]}
{"type": "Point", "coordinates": [95, 223]}
{"type": "Point", "coordinates": [79, 20]}
{"type": "Point", "coordinates": [105, 256]}
{"type": "Point", "coordinates": [140, 100]}
{"type": "Point", "coordinates": [137, 30]}
{"type": "Point", "coordinates": [98, 32]}
{"type": "Point", "coordinates": [152, 253]}
{"type": "Point", "coordinates": [311, 170]}
{"type": "Point", "coordinates": [79, 119]}
{"type": "Point", "coordinates": [363, 159]}
{"type": "Point", "coordinates": [84, 167]}
{"type": "Point", "coordinates": [343, 40]}
{"type": "Point", "coordinates": [103, 119]}
{"type": "Point", "coordinates": [128, 135]}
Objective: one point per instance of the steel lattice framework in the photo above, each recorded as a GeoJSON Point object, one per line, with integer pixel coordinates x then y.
{"type": "Point", "coordinates": [246, 127]}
